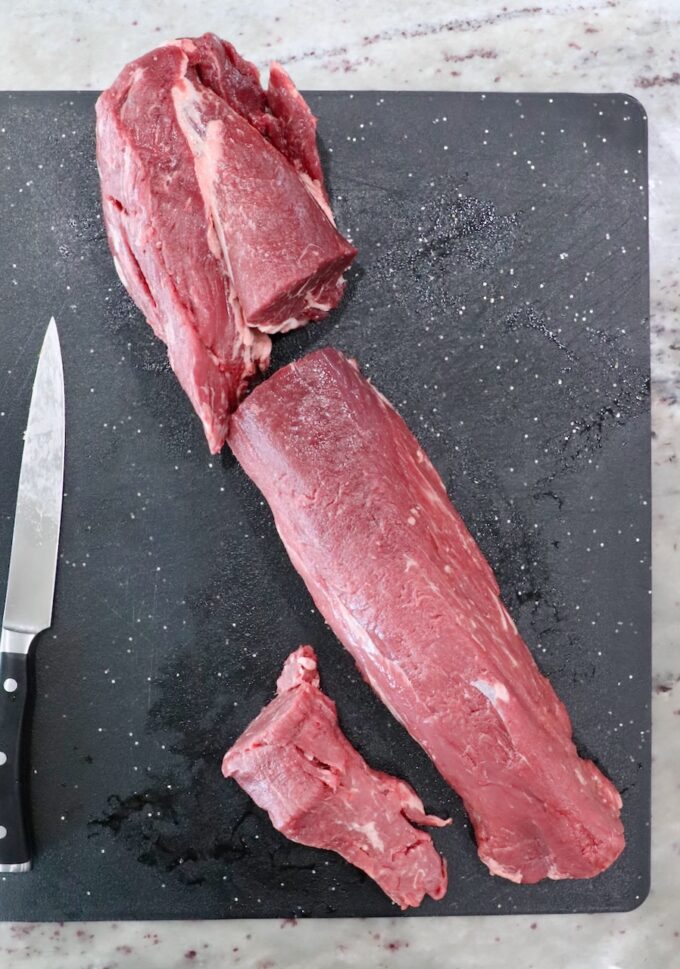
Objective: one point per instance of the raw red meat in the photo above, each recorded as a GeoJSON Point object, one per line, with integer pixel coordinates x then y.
{"type": "Point", "coordinates": [216, 213]}
{"type": "Point", "coordinates": [391, 566]}
{"type": "Point", "coordinates": [298, 766]}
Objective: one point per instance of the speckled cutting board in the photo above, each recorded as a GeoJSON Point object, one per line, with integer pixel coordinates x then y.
{"type": "Point", "coordinates": [500, 300]}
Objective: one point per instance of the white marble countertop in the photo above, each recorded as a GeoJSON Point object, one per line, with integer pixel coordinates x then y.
{"type": "Point", "coordinates": [499, 45]}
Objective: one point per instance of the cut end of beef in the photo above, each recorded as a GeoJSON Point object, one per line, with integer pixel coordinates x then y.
{"type": "Point", "coordinates": [296, 764]}
{"type": "Point", "coordinates": [216, 213]}
{"type": "Point", "coordinates": [393, 569]}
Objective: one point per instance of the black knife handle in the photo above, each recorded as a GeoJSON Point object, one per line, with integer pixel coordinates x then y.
{"type": "Point", "coordinates": [15, 847]}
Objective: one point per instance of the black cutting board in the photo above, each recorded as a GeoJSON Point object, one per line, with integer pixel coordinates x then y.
{"type": "Point", "coordinates": [500, 300]}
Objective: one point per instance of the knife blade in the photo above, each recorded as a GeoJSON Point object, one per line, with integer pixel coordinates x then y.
{"type": "Point", "coordinates": [30, 589]}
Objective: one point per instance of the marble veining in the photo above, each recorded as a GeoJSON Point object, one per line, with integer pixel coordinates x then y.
{"type": "Point", "coordinates": [504, 45]}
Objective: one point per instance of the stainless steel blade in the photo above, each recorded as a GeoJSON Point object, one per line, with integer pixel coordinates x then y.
{"type": "Point", "coordinates": [33, 562]}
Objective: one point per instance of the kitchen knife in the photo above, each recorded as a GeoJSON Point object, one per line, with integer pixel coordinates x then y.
{"type": "Point", "coordinates": [30, 590]}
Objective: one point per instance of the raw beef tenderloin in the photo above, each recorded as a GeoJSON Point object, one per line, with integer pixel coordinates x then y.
{"type": "Point", "coordinates": [391, 566]}
{"type": "Point", "coordinates": [298, 766]}
{"type": "Point", "coordinates": [216, 213]}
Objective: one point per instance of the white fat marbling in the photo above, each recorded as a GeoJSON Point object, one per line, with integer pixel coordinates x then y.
{"type": "Point", "coordinates": [499, 45]}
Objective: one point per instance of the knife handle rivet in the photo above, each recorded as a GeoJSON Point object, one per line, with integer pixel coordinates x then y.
{"type": "Point", "coordinates": [3, 757]}
{"type": "Point", "coordinates": [3, 832]}
{"type": "Point", "coordinates": [10, 685]}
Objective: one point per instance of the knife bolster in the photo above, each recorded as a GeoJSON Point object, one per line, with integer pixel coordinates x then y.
{"type": "Point", "coordinates": [13, 641]}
